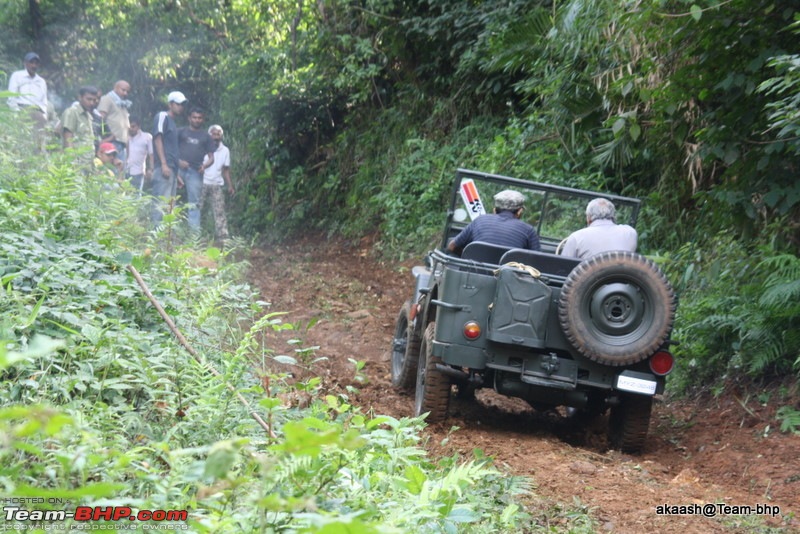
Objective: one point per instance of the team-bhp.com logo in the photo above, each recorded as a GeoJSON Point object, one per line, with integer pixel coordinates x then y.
{"type": "Point", "coordinates": [20, 515]}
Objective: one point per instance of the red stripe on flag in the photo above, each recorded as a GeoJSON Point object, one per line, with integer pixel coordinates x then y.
{"type": "Point", "coordinates": [471, 192]}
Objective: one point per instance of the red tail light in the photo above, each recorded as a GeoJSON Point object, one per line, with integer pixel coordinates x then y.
{"type": "Point", "coordinates": [472, 330]}
{"type": "Point", "coordinates": [661, 363]}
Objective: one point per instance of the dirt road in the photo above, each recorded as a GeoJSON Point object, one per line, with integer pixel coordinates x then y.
{"type": "Point", "coordinates": [713, 450]}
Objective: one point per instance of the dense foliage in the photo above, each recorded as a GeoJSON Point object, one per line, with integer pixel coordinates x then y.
{"type": "Point", "coordinates": [347, 116]}
{"type": "Point", "coordinates": [101, 405]}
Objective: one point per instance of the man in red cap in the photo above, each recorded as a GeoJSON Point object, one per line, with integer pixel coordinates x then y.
{"type": "Point", "coordinates": [105, 161]}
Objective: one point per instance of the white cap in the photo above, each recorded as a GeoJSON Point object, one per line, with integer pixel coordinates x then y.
{"type": "Point", "coordinates": [177, 97]}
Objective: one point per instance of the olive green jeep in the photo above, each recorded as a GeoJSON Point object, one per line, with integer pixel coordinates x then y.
{"type": "Point", "coordinates": [589, 335]}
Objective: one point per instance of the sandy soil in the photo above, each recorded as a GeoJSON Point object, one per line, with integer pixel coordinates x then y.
{"type": "Point", "coordinates": [724, 449]}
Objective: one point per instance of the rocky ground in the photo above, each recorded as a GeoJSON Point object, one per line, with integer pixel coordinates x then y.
{"type": "Point", "coordinates": [723, 449]}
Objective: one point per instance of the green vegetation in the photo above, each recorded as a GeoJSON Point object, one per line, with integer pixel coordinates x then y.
{"type": "Point", "coordinates": [101, 405]}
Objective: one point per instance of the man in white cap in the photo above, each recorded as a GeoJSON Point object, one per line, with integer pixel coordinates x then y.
{"type": "Point", "coordinates": [503, 227]}
{"type": "Point", "coordinates": [165, 149]}
{"type": "Point", "coordinates": [602, 233]}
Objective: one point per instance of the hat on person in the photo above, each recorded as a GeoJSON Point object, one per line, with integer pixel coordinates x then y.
{"type": "Point", "coordinates": [31, 56]}
{"type": "Point", "coordinates": [216, 128]}
{"type": "Point", "coordinates": [177, 97]}
{"type": "Point", "coordinates": [508, 200]}
{"type": "Point", "coordinates": [108, 148]}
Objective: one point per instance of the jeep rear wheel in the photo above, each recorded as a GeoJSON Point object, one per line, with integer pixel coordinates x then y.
{"type": "Point", "coordinates": [405, 350]}
{"type": "Point", "coordinates": [616, 308]}
{"type": "Point", "coordinates": [433, 387]}
{"type": "Point", "coordinates": [628, 423]}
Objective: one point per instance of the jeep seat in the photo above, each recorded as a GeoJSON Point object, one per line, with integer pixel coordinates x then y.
{"type": "Point", "coordinates": [484, 252]}
{"type": "Point", "coordinates": [547, 264]}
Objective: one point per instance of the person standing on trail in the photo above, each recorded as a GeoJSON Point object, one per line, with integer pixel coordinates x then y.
{"type": "Point", "coordinates": [31, 91]}
{"type": "Point", "coordinates": [602, 233]}
{"type": "Point", "coordinates": [139, 164]}
{"type": "Point", "coordinates": [217, 175]}
{"type": "Point", "coordinates": [77, 125]}
{"type": "Point", "coordinates": [503, 227]}
{"type": "Point", "coordinates": [165, 151]}
{"type": "Point", "coordinates": [196, 151]}
{"type": "Point", "coordinates": [102, 133]}
{"type": "Point", "coordinates": [113, 107]}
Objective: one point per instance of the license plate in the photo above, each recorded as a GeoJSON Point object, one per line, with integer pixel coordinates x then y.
{"type": "Point", "coordinates": [636, 385]}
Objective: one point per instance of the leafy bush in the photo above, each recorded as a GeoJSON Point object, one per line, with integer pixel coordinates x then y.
{"type": "Point", "coordinates": [738, 311]}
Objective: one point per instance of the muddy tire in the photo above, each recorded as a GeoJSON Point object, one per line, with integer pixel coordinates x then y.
{"type": "Point", "coordinates": [433, 388]}
{"type": "Point", "coordinates": [616, 308]}
{"type": "Point", "coordinates": [405, 350]}
{"type": "Point", "coordinates": [628, 423]}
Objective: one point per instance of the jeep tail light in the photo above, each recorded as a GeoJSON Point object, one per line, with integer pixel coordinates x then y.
{"type": "Point", "coordinates": [414, 312]}
{"type": "Point", "coordinates": [472, 330]}
{"type": "Point", "coordinates": [661, 363]}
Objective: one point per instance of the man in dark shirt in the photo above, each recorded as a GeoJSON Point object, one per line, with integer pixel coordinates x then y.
{"type": "Point", "coordinates": [165, 151]}
{"type": "Point", "coordinates": [194, 145]}
{"type": "Point", "coordinates": [501, 228]}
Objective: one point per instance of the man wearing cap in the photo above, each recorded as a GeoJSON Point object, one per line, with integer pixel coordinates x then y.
{"type": "Point", "coordinates": [166, 155]}
{"type": "Point", "coordinates": [31, 87]}
{"type": "Point", "coordinates": [31, 91]}
{"type": "Point", "coordinates": [104, 160]}
{"type": "Point", "coordinates": [114, 107]}
{"type": "Point", "coordinates": [503, 227]}
{"type": "Point", "coordinates": [602, 233]}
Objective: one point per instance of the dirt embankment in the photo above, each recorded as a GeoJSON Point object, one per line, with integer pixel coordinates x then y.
{"type": "Point", "coordinates": [724, 450]}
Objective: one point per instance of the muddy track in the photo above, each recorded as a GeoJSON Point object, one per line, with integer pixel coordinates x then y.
{"type": "Point", "coordinates": [711, 450]}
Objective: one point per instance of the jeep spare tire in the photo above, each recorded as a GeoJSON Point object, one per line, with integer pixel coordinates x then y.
{"type": "Point", "coordinates": [616, 308]}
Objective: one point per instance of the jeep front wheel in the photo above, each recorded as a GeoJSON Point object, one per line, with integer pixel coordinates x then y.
{"type": "Point", "coordinates": [433, 387]}
{"type": "Point", "coordinates": [628, 423]}
{"type": "Point", "coordinates": [616, 308]}
{"type": "Point", "coordinates": [405, 350]}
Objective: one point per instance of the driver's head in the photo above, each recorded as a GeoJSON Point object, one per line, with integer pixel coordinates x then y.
{"type": "Point", "coordinates": [508, 200]}
{"type": "Point", "coordinates": [600, 208]}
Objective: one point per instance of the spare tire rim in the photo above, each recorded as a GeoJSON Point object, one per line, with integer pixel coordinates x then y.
{"type": "Point", "coordinates": [617, 308]}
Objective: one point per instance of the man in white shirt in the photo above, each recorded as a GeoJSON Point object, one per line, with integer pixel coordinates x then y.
{"type": "Point", "coordinates": [139, 163]}
{"type": "Point", "coordinates": [31, 87]}
{"type": "Point", "coordinates": [602, 234]}
{"type": "Point", "coordinates": [215, 177]}
{"type": "Point", "coordinates": [31, 92]}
